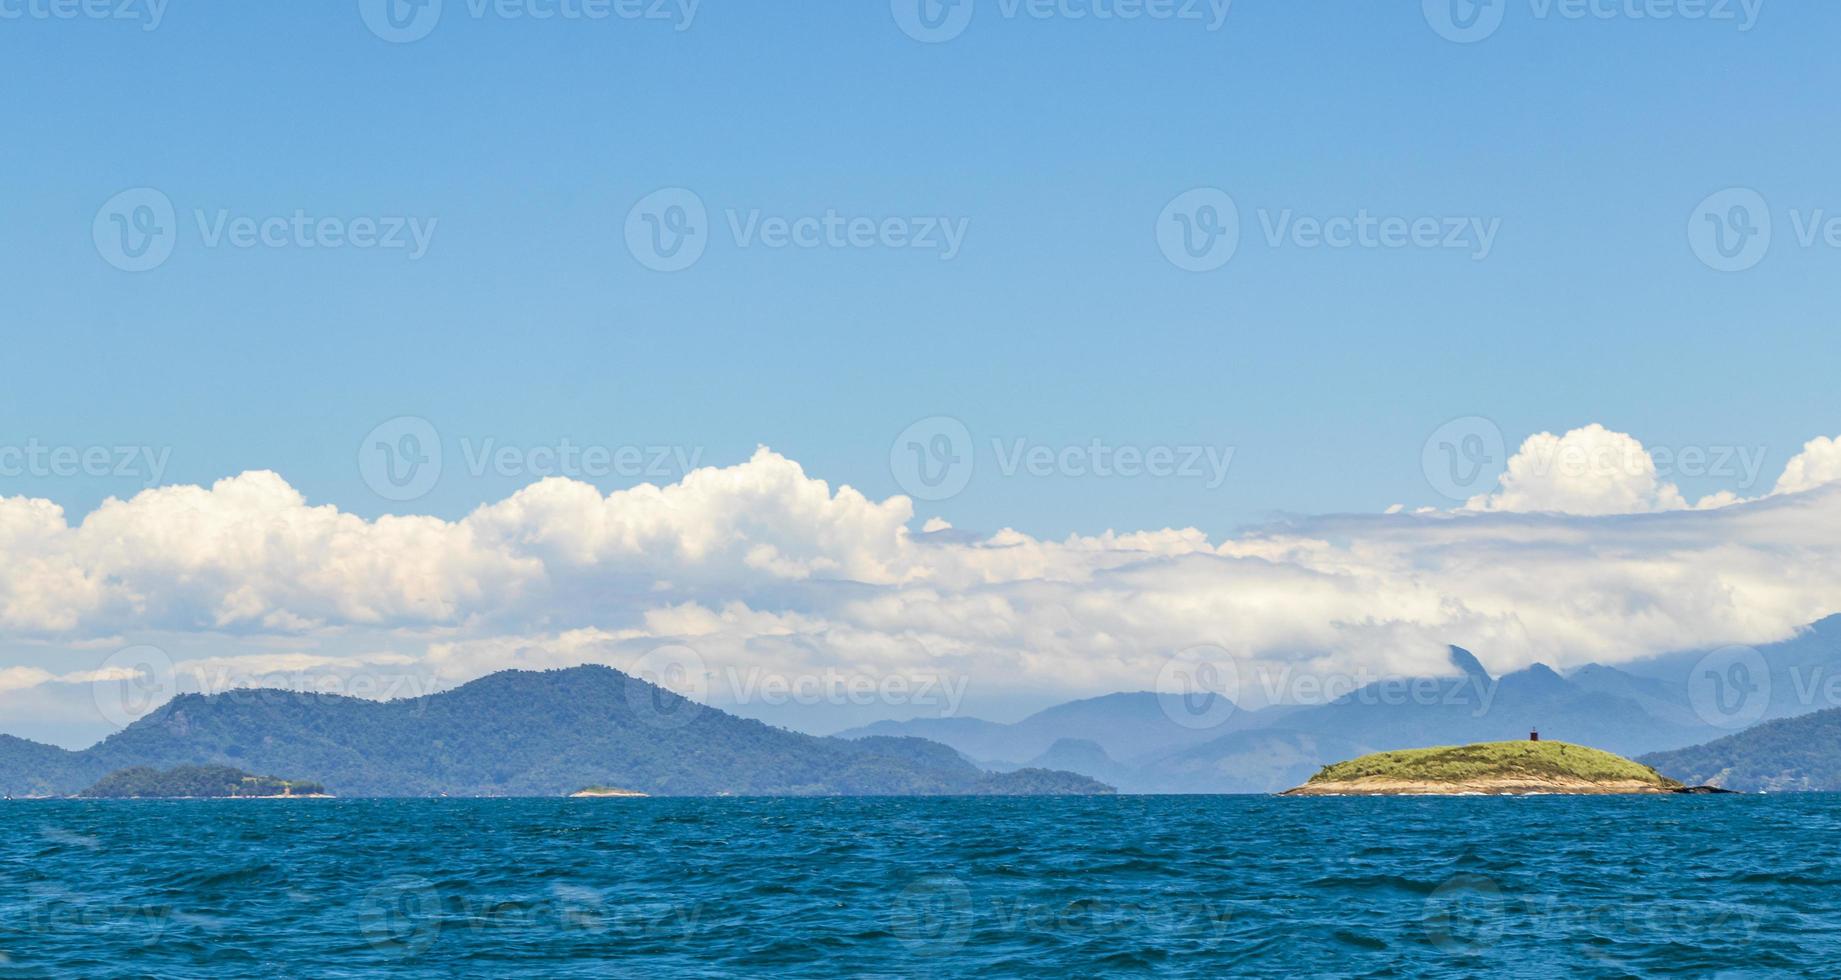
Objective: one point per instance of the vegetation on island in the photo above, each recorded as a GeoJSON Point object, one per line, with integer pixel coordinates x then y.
{"type": "Point", "coordinates": [1506, 767]}
{"type": "Point", "coordinates": [1039, 782]}
{"type": "Point", "coordinates": [195, 782]}
{"type": "Point", "coordinates": [1490, 759]}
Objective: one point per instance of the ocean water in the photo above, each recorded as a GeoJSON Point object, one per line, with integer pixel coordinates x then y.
{"type": "Point", "coordinates": [1166, 886]}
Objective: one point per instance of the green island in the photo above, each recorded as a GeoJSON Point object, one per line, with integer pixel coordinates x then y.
{"type": "Point", "coordinates": [1491, 769]}
{"type": "Point", "coordinates": [198, 783]}
{"type": "Point", "coordinates": [606, 792]}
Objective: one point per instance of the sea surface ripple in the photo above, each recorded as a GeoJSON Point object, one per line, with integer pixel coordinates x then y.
{"type": "Point", "coordinates": [1070, 887]}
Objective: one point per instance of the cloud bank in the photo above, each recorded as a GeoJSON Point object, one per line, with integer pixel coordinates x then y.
{"type": "Point", "coordinates": [761, 565]}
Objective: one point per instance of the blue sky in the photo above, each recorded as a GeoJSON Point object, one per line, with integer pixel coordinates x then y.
{"type": "Point", "coordinates": [1317, 261]}
{"type": "Point", "coordinates": [1058, 141]}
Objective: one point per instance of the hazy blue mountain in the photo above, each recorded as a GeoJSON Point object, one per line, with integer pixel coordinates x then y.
{"type": "Point", "coordinates": [1133, 741]}
{"type": "Point", "coordinates": [1467, 664]}
{"type": "Point", "coordinates": [1665, 700]}
{"type": "Point", "coordinates": [1126, 726]}
{"type": "Point", "coordinates": [1800, 754]}
{"type": "Point", "coordinates": [1257, 761]}
{"type": "Point", "coordinates": [1804, 670]}
{"type": "Point", "coordinates": [986, 741]}
{"type": "Point", "coordinates": [515, 733]}
{"type": "Point", "coordinates": [1085, 757]}
{"type": "Point", "coordinates": [522, 733]}
{"type": "Point", "coordinates": [1473, 707]}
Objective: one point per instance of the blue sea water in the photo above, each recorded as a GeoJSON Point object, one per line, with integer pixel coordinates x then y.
{"type": "Point", "coordinates": [1166, 886]}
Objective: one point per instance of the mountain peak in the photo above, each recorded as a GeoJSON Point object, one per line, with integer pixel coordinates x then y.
{"type": "Point", "coordinates": [1467, 662]}
{"type": "Point", "coordinates": [1538, 680]}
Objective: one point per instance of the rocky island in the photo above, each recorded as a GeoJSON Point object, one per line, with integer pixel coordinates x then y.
{"type": "Point", "coordinates": [605, 792]}
{"type": "Point", "coordinates": [1490, 769]}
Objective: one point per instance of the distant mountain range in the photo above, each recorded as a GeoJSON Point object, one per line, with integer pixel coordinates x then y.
{"type": "Point", "coordinates": [515, 733]}
{"type": "Point", "coordinates": [520, 733]}
{"type": "Point", "coordinates": [1135, 741]}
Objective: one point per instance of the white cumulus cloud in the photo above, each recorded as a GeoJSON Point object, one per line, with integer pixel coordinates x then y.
{"type": "Point", "coordinates": [1819, 463]}
{"type": "Point", "coordinates": [1588, 471]}
{"type": "Point", "coordinates": [1584, 552]}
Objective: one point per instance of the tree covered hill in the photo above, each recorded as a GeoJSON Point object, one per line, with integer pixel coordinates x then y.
{"type": "Point", "coordinates": [1790, 755]}
{"type": "Point", "coordinates": [515, 733]}
{"type": "Point", "coordinates": [194, 782]}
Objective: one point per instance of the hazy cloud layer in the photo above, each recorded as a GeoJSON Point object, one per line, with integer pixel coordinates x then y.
{"type": "Point", "coordinates": [760, 566]}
